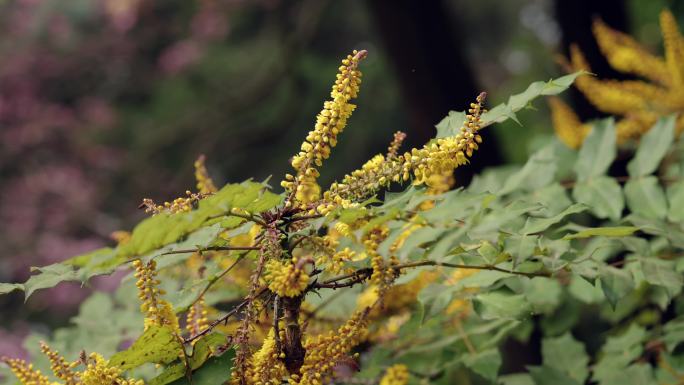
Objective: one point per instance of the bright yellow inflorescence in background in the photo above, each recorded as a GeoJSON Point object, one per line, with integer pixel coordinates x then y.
{"type": "Point", "coordinates": [395, 375]}
{"type": "Point", "coordinates": [639, 102]}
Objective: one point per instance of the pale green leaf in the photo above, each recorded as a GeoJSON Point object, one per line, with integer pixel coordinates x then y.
{"type": "Point", "coordinates": [538, 172]}
{"type": "Point", "coordinates": [652, 147]}
{"type": "Point", "coordinates": [662, 273]}
{"type": "Point", "coordinates": [615, 283]}
{"type": "Point", "coordinates": [598, 151]}
{"type": "Point", "coordinates": [450, 125]}
{"type": "Point", "coordinates": [567, 355]}
{"type": "Point", "coordinates": [536, 225]}
{"type": "Point", "coordinates": [603, 195]}
{"type": "Point", "coordinates": [10, 287]}
{"type": "Point", "coordinates": [645, 197]}
{"type": "Point", "coordinates": [501, 304]}
{"type": "Point", "coordinates": [485, 363]}
{"type": "Point", "coordinates": [675, 197]}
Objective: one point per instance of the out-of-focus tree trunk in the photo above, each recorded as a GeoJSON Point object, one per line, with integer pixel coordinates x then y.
{"type": "Point", "coordinates": [425, 47]}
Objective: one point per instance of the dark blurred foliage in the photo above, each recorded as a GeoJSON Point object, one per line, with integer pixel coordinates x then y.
{"type": "Point", "coordinates": [104, 102]}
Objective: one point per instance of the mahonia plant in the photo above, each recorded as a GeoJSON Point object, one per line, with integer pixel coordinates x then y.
{"type": "Point", "coordinates": [355, 284]}
{"type": "Point", "coordinates": [639, 103]}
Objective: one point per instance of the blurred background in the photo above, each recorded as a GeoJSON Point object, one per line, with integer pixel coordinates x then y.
{"type": "Point", "coordinates": [104, 102]}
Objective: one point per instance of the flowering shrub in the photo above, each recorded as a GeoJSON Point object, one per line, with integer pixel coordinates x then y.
{"type": "Point", "coordinates": [356, 284]}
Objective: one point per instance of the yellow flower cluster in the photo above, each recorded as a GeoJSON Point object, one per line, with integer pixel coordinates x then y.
{"type": "Point", "coordinates": [639, 103]}
{"type": "Point", "coordinates": [25, 372]}
{"type": "Point", "coordinates": [287, 279]}
{"type": "Point", "coordinates": [383, 273]}
{"type": "Point", "coordinates": [266, 367]}
{"type": "Point", "coordinates": [59, 366]}
{"type": "Point", "coordinates": [205, 185]}
{"type": "Point", "coordinates": [330, 122]}
{"type": "Point", "coordinates": [196, 319]}
{"type": "Point", "coordinates": [178, 205]}
{"type": "Point", "coordinates": [157, 311]}
{"type": "Point", "coordinates": [438, 157]}
{"type": "Point", "coordinates": [99, 373]}
{"type": "Point", "coordinates": [326, 351]}
{"type": "Point", "coordinates": [395, 375]}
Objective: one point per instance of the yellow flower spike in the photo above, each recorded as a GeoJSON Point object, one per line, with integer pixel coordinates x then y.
{"type": "Point", "coordinates": [639, 103]}
{"type": "Point", "coordinates": [674, 47]}
{"type": "Point", "coordinates": [626, 55]}
{"type": "Point", "coordinates": [330, 123]}
{"type": "Point", "coordinates": [196, 319]}
{"type": "Point", "coordinates": [325, 351]}
{"type": "Point", "coordinates": [99, 373]}
{"type": "Point", "coordinates": [606, 95]}
{"type": "Point", "coordinates": [395, 375]}
{"type": "Point", "coordinates": [437, 157]}
{"type": "Point", "coordinates": [205, 185]}
{"type": "Point", "coordinates": [157, 311]}
{"type": "Point", "coordinates": [287, 279]}
{"type": "Point", "coordinates": [59, 365]}
{"type": "Point", "coordinates": [266, 366]}
{"type": "Point", "coordinates": [25, 372]}
{"type": "Point", "coordinates": [567, 124]}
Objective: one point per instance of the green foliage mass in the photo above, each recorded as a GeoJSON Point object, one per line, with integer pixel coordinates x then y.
{"type": "Point", "coordinates": [583, 264]}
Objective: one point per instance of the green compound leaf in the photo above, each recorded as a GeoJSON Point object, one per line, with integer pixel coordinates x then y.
{"type": "Point", "coordinates": [158, 344]}
{"type": "Point", "coordinates": [450, 125]}
{"type": "Point", "coordinates": [645, 197]}
{"type": "Point", "coordinates": [603, 195]}
{"type": "Point", "coordinates": [598, 151]}
{"type": "Point", "coordinates": [567, 355]}
{"type": "Point", "coordinates": [652, 147]}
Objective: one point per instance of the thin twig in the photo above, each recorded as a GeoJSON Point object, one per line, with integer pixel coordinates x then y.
{"type": "Point", "coordinates": [212, 248]}
{"type": "Point", "coordinates": [216, 278]}
{"type": "Point", "coordinates": [224, 318]}
{"type": "Point", "coordinates": [276, 328]}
